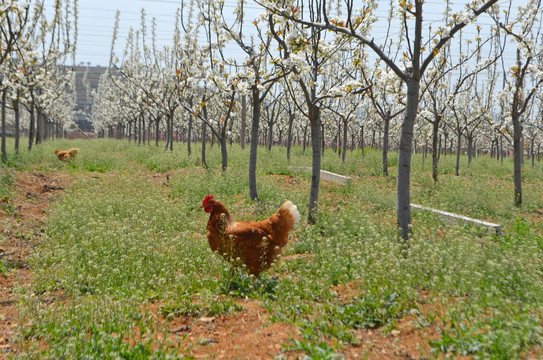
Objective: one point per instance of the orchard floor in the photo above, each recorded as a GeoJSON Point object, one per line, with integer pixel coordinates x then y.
{"type": "Point", "coordinates": [22, 226]}
{"type": "Point", "coordinates": [247, 334]}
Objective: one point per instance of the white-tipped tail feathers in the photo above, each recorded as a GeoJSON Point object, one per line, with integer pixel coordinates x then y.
{"type": "Point", "coordinates": [293, 210]}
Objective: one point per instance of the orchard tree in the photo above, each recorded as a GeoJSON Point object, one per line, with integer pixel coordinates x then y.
{"type": "Point", "coordinates": [441, 88]}
{"type": "Point", "coordinates": [218, 110]}
{"type": "Point", "coordinates": [303, 53]}
{"type": "Point", "coordinates": [534, 134]}
{"type": "Point", "coordinates": [157, 82]}
{"type": "Point", "coordinates": [525, 76]}
{"type": "Point", "coordinates": [33, 77]}
{"type": "Point", "coordinates": [271, 115]}
{"type": "Point", "coordinates": [289, 108]}
{"type": "Point", "coordinates": [14, 17]}
{"type": "Point", "coordinates": [14, 86]}
{"type": "Point", "coordinates": [419, 53]}
{"type": "Point", "coordinates": [55, 44]}
{"type": "Point", "coordinates": [386, 95]}
{"type": "Point", "coordinates": [217, 107]}
{"type": "Point", "coordinates": [342, 77]}
{"type": "Point", "coordinates": [106, 106]}
{"type": "Point", "coordinates": [345, 110]}
{"type": "Point", "coordinates": [256, 77]}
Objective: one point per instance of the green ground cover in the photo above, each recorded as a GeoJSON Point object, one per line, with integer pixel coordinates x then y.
{"type": "Point", "coordinates": [124, 235]}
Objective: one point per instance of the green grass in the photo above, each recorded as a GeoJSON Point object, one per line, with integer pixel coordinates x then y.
{"type": "Point", "coordinates": [123, 237]}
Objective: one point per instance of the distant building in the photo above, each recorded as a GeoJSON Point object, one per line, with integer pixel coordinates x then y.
{"type": "Point", "coordinates": [84, 99]}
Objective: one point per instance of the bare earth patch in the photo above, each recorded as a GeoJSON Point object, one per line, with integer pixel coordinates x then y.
{"type": "Point", "coordinates": [21, 227]}
{"type": "Point", "coordinates": [247, 334]}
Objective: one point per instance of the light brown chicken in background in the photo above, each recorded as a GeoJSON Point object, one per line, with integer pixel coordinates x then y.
{"type": "Point", "coordinates": [66, 155]}
{"type": "Point", "coordinates": [256, 244]}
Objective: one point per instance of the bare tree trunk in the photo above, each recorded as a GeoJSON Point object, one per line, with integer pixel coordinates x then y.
{"type": "Point", "coordinates": [532, 151]}
{"type": "Point", "coordinates": [289, 134]}
{"type": "Point", "coordinates": [305, 139]}
{"type": "Point", "coordinates": [470, 145]}
{"type": "Point", "coordinates": [501, 148]}
{"type": "Point", "coordinates": [149, 133]}
{"type": "Point", "coordinates": [270, 135]}
{"type": "Point", "coordinates": [141, 130]}
{"type": "Point", "coordinates": [517, 158]}
{"type": "Point", "coordinates": [189, 135]}
{"type": "Point", "coordinates": [316, 164]}
{"type": "Point", "coordinates": [521, 149]}
{"type": "Point", "coordinates": [492, 148]}
{"type": "Point", "coordinates": [344, 154]}
{"type": "Point", "coordinates": [322, 136]}
{"type": "Point", "coordinates": [336, 144]}
{"type": "Point", "coordinates": [255, 124]}
{"type": "Point", "coordinates": [224, 153]}
{"type": "Point", "coordinates": [3, 110]}
{"type": "Point", "coordinates": [45, 128]}
{"type": "Point", "coordinates": [39, 125]}
{"type": "Point", "coordinates": [439, 148]}
{"type": "Point", "coordinates": [362, 144]}
{"type": "Point", "coordinates": [31, 127]}
{"type": "Point", "coordinates": [157, 131]}
{"type": "Point", "coordinates": [17, 121]}
{"type": "Point", "coordinates": [403, 206]}
{"type": "Point", "coordinates": [243, 121]}
{"type": "Point", "coordinates": [138, 129]}
{"type": "Point", "coordinates": [435, 151]}
{"type": "Point", "coordinates": [167, 135]}
{"type": "Point", "coordinates": [171, 129]}
{"type": "Point", "coordinates": [458, 148]}
{"type": "Point", "coordinates": [385, 144]}
{"type": "Point", "coordinates": [204, 136]}
{"type": "Point", "coordinates": [425, 149]}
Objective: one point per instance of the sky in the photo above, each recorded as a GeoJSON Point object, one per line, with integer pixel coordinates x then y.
{"type": "Point", "coordinates": [97, 18]}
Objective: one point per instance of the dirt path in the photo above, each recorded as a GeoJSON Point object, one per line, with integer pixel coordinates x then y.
{"type": "Point", "coordinates": [21, 228]}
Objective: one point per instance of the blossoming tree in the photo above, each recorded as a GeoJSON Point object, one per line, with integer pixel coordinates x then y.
{"type": "Point", "coordinates": [418, 55]}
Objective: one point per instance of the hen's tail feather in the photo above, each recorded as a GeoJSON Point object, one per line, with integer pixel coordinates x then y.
{"type": "Point", "coordinates": [291, 210]}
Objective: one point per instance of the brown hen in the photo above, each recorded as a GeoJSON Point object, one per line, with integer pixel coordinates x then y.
{"type": "Point", "coordinates": [66, 155]}
{"type": "Point", "coordinates": [255, 244]}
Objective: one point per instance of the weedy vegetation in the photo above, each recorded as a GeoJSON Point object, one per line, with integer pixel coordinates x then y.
{"type": "Point", "coordinates": [125, 236]}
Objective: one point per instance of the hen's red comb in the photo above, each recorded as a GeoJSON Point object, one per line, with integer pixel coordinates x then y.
{"type": "Point", "coordinates": [206, 199]}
